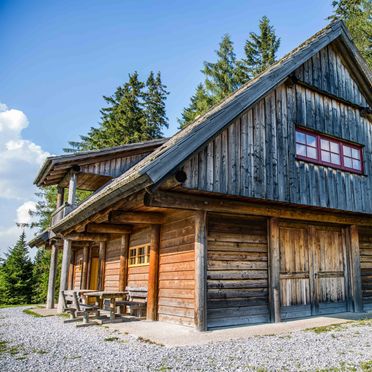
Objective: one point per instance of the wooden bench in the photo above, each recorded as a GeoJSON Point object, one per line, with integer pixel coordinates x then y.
{"type": "Point", "coordinates": [136, 301]}
{"type": "Point", "coordinates": [73, 305]}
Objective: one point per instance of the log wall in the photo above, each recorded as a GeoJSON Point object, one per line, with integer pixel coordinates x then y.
{"type": "Point", "coordinates": [365, 244]}
{"type": "Point", "coordinates": [255, 155]}
{"type": "Point", "coordinates": [237, 270]}
{"type": "Point", "coordinates": [112, 269]}
{"type": "Point", "coordinates": [138, 275]}
{"type": "Point", "coordinates": [177, 269]}
{"type": "Point", "coordinates": [78, 257]}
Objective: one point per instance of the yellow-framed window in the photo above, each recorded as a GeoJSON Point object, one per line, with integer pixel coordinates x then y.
{"type": "Point", "coordinates": [139, 255]}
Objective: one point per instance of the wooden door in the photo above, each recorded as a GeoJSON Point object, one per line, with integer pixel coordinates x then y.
{"type": "Point", "coordinates": [330, 279]}
{"type": "Point", "coordinates": [313, 270]}
{"type": "Point", "coordinates": [93, 278]}
{"type": "Point", "coordinates": [295, 259]}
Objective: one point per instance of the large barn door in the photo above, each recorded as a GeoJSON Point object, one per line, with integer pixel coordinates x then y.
{"type": "Point", "coordinates": [313, 270]}
{"type": "Point", "coordinates": [295, 285]}
{"type": "Point", "coordinates": [329, 270]}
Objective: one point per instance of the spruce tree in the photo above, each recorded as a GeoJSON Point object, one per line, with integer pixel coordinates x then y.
{"type": "Point", "coordinates": [199, 104]}
{"type": "Point", "coordinates": [260, 51]}
{"type": "Point", "coordinates": [17, 278]}
{"type": "Point", "coordinates": [154, 107]}
{"type": "Point", "coordinates": [221, 76]}
{"type": "Point", "coordinates": [357, 15]}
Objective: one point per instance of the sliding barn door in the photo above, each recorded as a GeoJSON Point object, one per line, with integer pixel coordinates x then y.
{"type": "Point", "coordinates": [313, 270]}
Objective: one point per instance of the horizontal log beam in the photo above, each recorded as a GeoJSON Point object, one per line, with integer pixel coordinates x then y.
{"type": "Point", "coordinates": [108, 228]}
{"type": "Point", "coordinates": [86, 237]}
{"type": "Point", "coordinates": [136, 217]}
{"type": "Point", "coordinates": [164, 199]}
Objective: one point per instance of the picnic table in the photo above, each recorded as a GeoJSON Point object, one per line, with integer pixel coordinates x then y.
{"type": "Point", "coordinates": [101, 295]}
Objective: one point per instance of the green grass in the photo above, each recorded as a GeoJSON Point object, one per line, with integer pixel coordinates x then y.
{"type": "Point", "coordinates": [325, 329]}
{"type": "Point", "coordinates": [12, 350]}
{"type": "Point", "coordinates": [32, 313]}
{"type": "Point", "coordinates": [110, 339]}
{"type": "Point", "coordinates": [366, 366]}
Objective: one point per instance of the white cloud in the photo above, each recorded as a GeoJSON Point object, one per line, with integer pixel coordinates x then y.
{"type": "Point", "coordinates": [20, 160]}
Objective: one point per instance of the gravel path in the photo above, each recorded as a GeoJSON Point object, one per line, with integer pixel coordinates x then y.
{"type": "Point", "coordinates": [46, 344]}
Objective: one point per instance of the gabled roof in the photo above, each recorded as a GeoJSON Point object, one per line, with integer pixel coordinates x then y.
{"type": "Point", "coordinates": [168, 157]}
{"type": "Point", "coordinates": [60, 165]}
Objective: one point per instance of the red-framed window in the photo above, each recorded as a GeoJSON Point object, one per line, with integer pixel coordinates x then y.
{"type": "Point", "coordinates": [328, 151]}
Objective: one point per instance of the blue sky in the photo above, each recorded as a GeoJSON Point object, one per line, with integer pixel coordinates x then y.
{"type": "Point", "coordinates": [59, 57]}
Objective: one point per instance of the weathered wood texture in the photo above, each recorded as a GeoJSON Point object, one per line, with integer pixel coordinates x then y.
{"type": "Point", "coordinates": [177, 269]}
{"type": "Point", "coordinates": [78, 266]}
{"type": "Point", "coordinates": [112, 265]}
{"type": "Point", "coordinates": [138, 275]}
{"type": "Point", "coordinates": [313, 270]}
{"type": "Point", "coordinates": [365, 244]}
{"type": "Point", "coordinates": [237, 270]}
{"type": "Point", "coordinates": [255, 155]}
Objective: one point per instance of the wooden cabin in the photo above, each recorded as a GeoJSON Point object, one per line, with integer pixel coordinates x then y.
{"type": "Point", "coordinates": [259, 211]}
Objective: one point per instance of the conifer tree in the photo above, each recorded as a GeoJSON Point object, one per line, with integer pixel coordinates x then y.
{"type": "Point", "coordinates": [260, 50]}
{"type": "Point", "coordinates": [221, 76]}
{"type": "Point", "coordinates": [199, 104]}
{"type": "Point", "coordinates": [154, 107]}
{"type": "Point", "coordinates": [16, 275]}
{"type": "Point", "coordinates": [357, 14]}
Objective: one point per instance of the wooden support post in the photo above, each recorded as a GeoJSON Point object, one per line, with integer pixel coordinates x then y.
{"type": "Point", "coordinates": [101, 266]}
{"type": "Point", "coordinates": [274, 270]}
{"type": "Point", "coordinates": [152, 291]}
{"type": "Point", "coordinates": [124, 251]}
{"type": "Point", "coordinates": [89, 266]}
{"type": "Point", "coordinates": [72, 189]}
{"type": "Point", "coordinates": [355, 271]}
{"type": "Point", "coordinates": [84, 271]}
{"type": "Point", "coordinates": [64, 272]}
{"type": "Point", "coordinates": [200, 311]}
{"type": "Point", "coordinates": [60, 196]}
{"type": "Point", "coordinates": [52, 277]}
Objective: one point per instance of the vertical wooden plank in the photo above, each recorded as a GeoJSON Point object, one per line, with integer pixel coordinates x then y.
{"type": "Point", "coordinates": [200, 309]}
{"type": "Point", "coordinates": [124, 251]}
{"type": "Point", "coordinates": [274, 269]}
{"type": "Point", "coordinates": [152, 290]}
{"type": "Point", "coordinates": [355, 271]}
{"type": "Point", "coordinates": [101, 266]}
{"type": "Point", "coordinates": [84, 272]}
{"type": "Point", "coordinates": [64, 271]}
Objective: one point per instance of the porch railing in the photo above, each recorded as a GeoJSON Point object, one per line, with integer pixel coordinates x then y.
{"type": "Point", "coordinates": [61, 212]}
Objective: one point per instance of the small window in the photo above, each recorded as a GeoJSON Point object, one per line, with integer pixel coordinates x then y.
{"type": "Point", "coordinates": [139, 255]}
{"type": "Point", "coordinates": [321, 149]}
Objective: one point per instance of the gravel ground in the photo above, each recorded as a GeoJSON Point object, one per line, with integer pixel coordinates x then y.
{"type": "Point", "coordinates": [46, 344]}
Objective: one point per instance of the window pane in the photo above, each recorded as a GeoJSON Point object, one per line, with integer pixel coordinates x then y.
{"type": "Point", "coordinates": [300, 137]}
{"type": "Point", "coordinates": [141, 251]}
{"type": "Point", "coordinates": [335, 147]}
{"type": "Point", "coordinates": [335, 159]}
{"type": "Point", "coordinates": [324, 144]}
{"type": "Point", "coordinates": [311, 153]}
{"type": "Point", "coordinates": [356, 154]}
{"type": "Point", "coordinates": [301, 150]}
{"type": "Point", "coordinates": [347, 151]}
{"type": "Point", "coordinates": [326, 156]}
{"type": "Point", "coordinates": [347, 162]}
{"type": "Point", "coordinates": [132, 252]}
{"type": "Point", "coordinates": [356, 165]}
{"type": "Point", "coordinates": [311, 140]}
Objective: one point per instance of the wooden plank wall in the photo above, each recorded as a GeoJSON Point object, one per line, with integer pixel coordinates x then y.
{"type": "Point", "coordinates": [237, 270]}
{"type": "Point", "coordinates": [113, 167]}
{"type": "Point", "coordinates": [365, 244]}
{"type": "Point", "coordinates": [255, 155]}
{"type": "Point", "coordinates": [78, 255]}
{"type": "Point", "coordinates": [177, 269]}
{"type": "Point", "coordinates": [138, 275]}
{"type": "Point", "coordinates": [112, 269]}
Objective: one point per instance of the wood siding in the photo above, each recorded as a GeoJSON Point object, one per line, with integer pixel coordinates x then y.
{"type": "Point", "coordinates": [237, 270]}
{"type": "Point", "coordinates": [138, 275]}
{"type": "Point", "coordinates": [177, 269]}
{"type": "Point", "coordinates": [112, 269]}
{"type": "Point", "coordinates": [113, 167]}
{"type": "Point", "coordinates": [78, 257]}
{"type": "Point", "coordinates": [255, 155]}
{"type": "Point", "coordinates": [365, 243]}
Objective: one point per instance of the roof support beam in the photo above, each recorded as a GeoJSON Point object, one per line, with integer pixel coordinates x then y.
{"type": "Point", "coordinates": [108, 228]}
{"type": "Point", "coordinates": [136, 217]}
{"type": "Point", "coordinates": [86, 237]}
{"type": "Point", "coordinates": [177, 200]}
